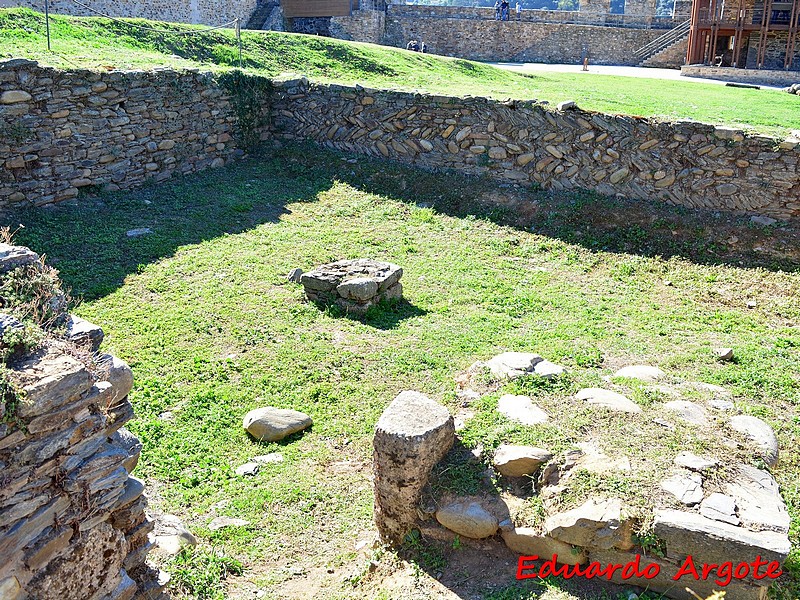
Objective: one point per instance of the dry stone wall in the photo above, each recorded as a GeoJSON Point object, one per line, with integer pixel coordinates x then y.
{"type": "Point", "coordinates": [204, 12]}
{"type": "Point", "coordinates": [72, 519]}
{"type": "Point", "coordinates": [490, 40]}
{"type": "Point", "coordinates": [684, 163]}
{"type": "Point", "coordinates": [65, 130]}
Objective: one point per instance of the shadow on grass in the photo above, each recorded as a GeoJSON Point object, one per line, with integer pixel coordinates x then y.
{"type": "Point", "coordinates": [86, 240]}
{"type": "Point", "coordinates": [384, 315]}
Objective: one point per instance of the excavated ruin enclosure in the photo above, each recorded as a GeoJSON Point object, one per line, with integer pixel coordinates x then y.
{"type": "Point", "coordinates": [353, 285]}
{"type": "Point", "coordinates": [72, 518]}
{"type": "Point", "coordinates": [639, 493]}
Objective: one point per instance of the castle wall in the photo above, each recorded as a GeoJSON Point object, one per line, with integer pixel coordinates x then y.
{"type": "Point", "coordinates": [202, 12]}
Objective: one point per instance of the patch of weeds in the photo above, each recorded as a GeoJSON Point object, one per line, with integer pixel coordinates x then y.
{"type": "Point", "coordinates": [532, 514]}
{"type": "Point", "coordinates": [15, 133]}
{"type": "Point", "coordinates": [459, 473]}
{"type": "Point", "coordinates": [33, 293]}
{"type": "Point", "coordinates": [588, 357]}
{"type": "Point", "coordinates": [250, 97]}
{"type": "Point", "coordinates": [427, 556]}
{"type": "Point", "coordinates": [650, 543]}
{"type": "Point", "coordinates": [10, 396]}
{"type": "Point", "coordinates": [199, 573]}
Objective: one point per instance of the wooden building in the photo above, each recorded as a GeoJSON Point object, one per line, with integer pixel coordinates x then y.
{"type": "Point", "coordinates": [753, 34]}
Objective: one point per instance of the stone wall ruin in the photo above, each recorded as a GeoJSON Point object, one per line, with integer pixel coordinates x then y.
{"type": "Point", "coordinates": [710, 509]}
{"type": "Point", "coordinates": [72, 518]}
{"type": "Point", "coordinates": [66, 130]}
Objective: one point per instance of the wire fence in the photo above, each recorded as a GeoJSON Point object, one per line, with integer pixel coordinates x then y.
{"type": "Point", "coordinates": [236, 23]}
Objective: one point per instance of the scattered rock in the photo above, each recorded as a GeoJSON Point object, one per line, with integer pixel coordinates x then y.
{"type": "Point", "coordinates": [721, 404]}
{"type": "Point", "coordinates": [608, 399]}
{"type": "Point", "coordinates": [138, 232]}
{"type": "Point", "coordinates": [294, 275]}
{"type": "Point", "coordinates": [725, 354]}
{"type": "Point", "coordinates": [170, 534]}
{"type": "Point", "coordinates": [760, 433]}
{"type": "Point", "coordinates": [267, 459]}
{"type": "Point", "coordinates": [528, 542]}
{"type": "Point", "coordinates": [468, 519]}
{"type": "Point", "coordinates": [751, 304]}
{"type": "Point", "coordinates": [642, 372]}
{"type": "Point", "coordinates": [566, 105]}
{"type": "Point", "coordinates": [595, 461]}
{"type": "Point", "coordinates": [686, 487]}
{"type": "Point", "coordinates": [547, 370]}
{"type": "Point", "coordinates": [270, 424]}
{"type": "Point", "coordinates": [517, 461]}
{"type": "Point", "coordinates": [248, 469]}
{"type": "Point", "coordinates": [596, 524]}
{"type": "Point", "coordinates": [762, 220]}
{"type": "Point", "coordinates": [689, 412]}
{"type": "Point", "coordinates": [221, 522]}
{"type": "Point", "coordinates": [694, 462]}
{"type": "Point", "coordinates": [521, 409]}
{"type": "Point", "coordinates": [510, 365]}
{"type": "Point", "coordinates": [412, 435]}
{"type": "Point", "coordinates": [720, 508]}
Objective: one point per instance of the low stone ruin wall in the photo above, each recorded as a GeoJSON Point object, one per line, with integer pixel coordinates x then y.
{"type": "Point", "coordinates": [61, 131]}
{"type": "Point", "coordinates": [72, 519]}
{"type": "Point", "coordinates": [684, 163]}
{"type": "Point", "coordinates": [676, 517]}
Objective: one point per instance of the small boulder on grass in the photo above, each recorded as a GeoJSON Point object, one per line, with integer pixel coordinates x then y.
{"type": "Point", "coordinates": [270, 424]}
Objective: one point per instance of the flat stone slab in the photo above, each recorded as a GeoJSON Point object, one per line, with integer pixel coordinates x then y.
{"type": "Point", "coordinates": [686, 487]}
{"type": "Point", "coordinates": [548, 370]}
{"type": "Point", "coordinates": [469, 519]}
{"type": "Point", "coordinates": [517, 461]}
{"type": "Point", "coordinates": [82, 332]}
{"type": "Point", "coordinates": [719, 507]}
{"type": "Point", "coordinates": [695, 463]}
{"type": "Point", "coordinates": [758, 499]}
{"type": "Point", "coordinates": [270, 424]}
{"type": "Point", "coordinates": [642, 372]}
{"type": "Point", "coordinates": [511, 365]}
{"type": "Point", "coordinates": [688, 412]}
{"type": "Point", "coordinates": [760, 433]}
{"type": "Point", "coordinates": [528, 541]}
{"type": "Point", "coordinates": [597, 523]}
{"type": "Point", "coordinates": [717, 542]}
{"type": "Point", "coordinates": [608, 399]}
{"type": "Point", "coordinates": [521, 409]}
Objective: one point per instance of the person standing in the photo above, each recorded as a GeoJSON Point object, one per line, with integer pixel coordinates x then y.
{"type": "Point", "coordinates": [504, 6]}
{"type": "Point", "coordinates": [519, 12]}
{"type": "Point", "coordinates": [496, 10]}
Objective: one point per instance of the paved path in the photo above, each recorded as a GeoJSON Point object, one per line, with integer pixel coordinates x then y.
{"type": "Point", "coordinates": [648, 73]}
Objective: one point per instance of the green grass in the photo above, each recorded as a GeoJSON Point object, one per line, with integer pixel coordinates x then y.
{"type": "Point", "coordinates": [100, 43]}
{"type": "Point", "coordinates": [202, 311]}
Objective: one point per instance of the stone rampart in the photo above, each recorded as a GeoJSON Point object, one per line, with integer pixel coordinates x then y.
{"type": "Point", "coordinates": [203, 12]}
{"type": "Point", "coordinates": [526, 41]}
{"type": "Point", "coordinates": [752, 76]}
{"type": "Point", "coordinates": [65, 130]}
{"type": "Point", "coordinates": [685, 163]}
{"type": "Point", "coordinates": [72, 519]}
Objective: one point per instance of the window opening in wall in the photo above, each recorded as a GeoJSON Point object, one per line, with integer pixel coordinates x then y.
{"type": "Point", "coordinates": [617, 7]}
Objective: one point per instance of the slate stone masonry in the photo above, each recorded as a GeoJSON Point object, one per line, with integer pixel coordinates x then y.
{"type": "Point", "coordinates": [683, 163]}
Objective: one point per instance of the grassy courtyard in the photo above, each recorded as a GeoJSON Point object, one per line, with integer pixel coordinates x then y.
{"type": "Point", "coordinates": [99, 43]}
{"type": "Point", "coordinates": [202, 311]}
